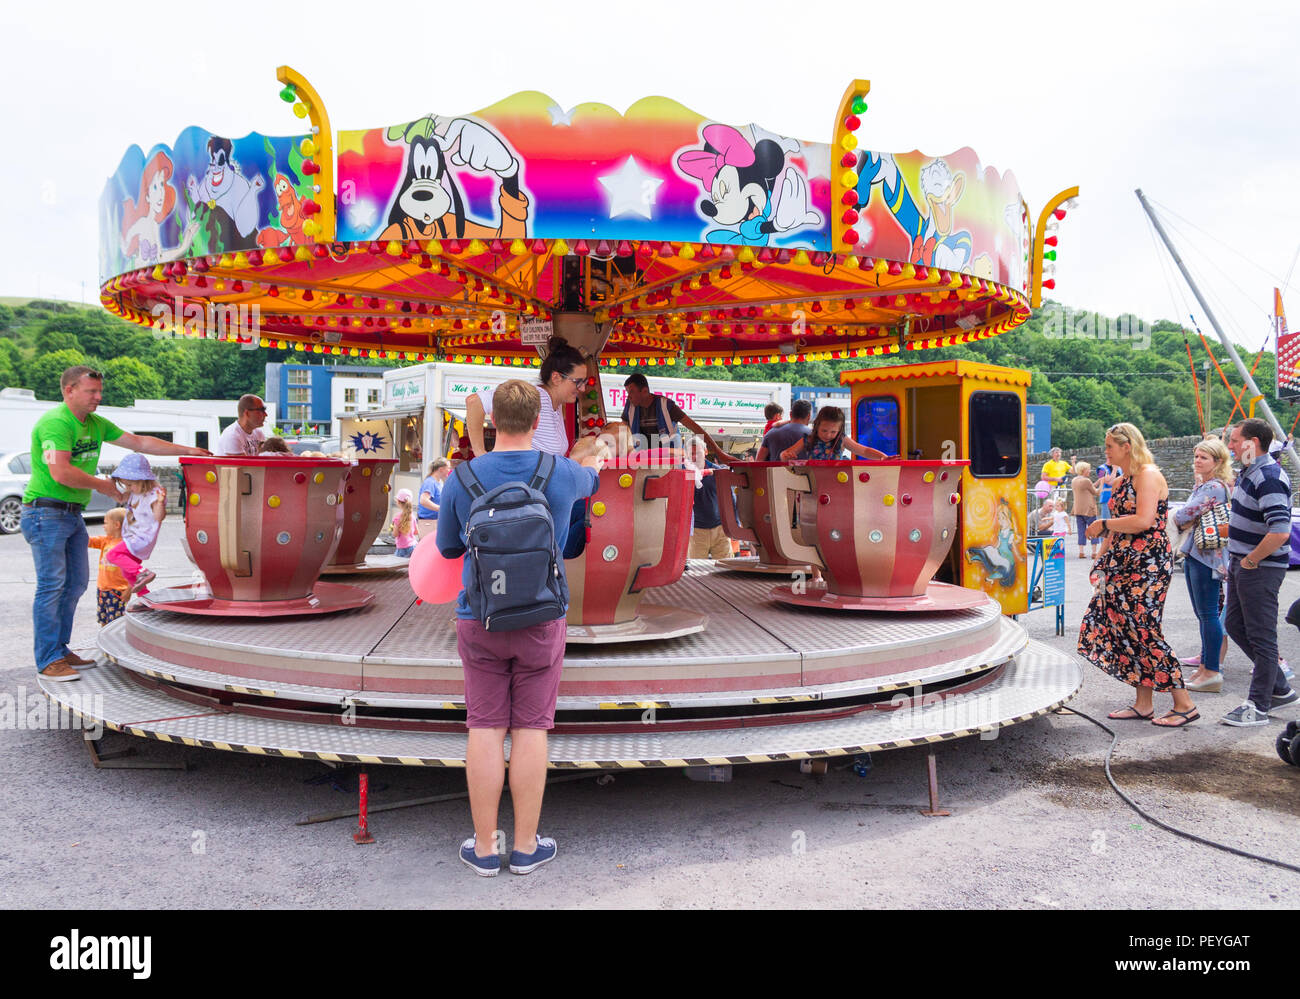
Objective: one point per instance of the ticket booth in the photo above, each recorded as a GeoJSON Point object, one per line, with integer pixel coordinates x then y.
{"type": "Point", "coordinates": [954, 410]}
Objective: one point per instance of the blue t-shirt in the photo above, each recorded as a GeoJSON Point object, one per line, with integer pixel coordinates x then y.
{"type": "Point", "coordinates": [434, 488]}
{"type": "Point", "coordinates": [706, 501]}
{"type": "Point", "coordinates": [569, 483]}
{"type": "Point", "coordinates": [785, 436]}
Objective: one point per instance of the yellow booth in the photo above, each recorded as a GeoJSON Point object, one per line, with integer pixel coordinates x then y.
{"type": "Point", "coordinates": [954, 410]}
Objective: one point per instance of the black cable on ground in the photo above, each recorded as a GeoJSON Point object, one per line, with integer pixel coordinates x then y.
{"type": "Point", "coordinates": [1114, 741]}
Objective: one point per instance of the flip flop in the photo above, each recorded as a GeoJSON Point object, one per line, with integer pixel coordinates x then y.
{"type": "Point", "coordinates": [1187, 717]}
{"type": "Point", "coordinates": [1136, 715]}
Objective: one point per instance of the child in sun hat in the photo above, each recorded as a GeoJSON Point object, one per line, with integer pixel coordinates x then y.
{"type": "Point", "coordinates": [146, 506]}
{"type": "Point", "coordinates": [404, 527]}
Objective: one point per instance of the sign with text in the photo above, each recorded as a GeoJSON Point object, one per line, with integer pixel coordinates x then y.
{"type": "Point", "coordinates": [404, 391]}
{"type": "Point", "coordinates": [535, 331]}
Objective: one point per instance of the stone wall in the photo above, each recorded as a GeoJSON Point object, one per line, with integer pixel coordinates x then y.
{"type": "Point", "coordinates": [1172, 454]}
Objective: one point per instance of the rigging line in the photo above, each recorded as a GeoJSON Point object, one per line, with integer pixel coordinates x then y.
{"type": "Point", "coordinates": [1227, 246]}
{"type": "Point", "coordinates": [1290, 270]}
{"type": "Point", "coordinates": [1166, 265]}
{"type": "Point", "coordinates": [1220, 271]}
{"type": "Point", "coordinates": [1245, 294]}
{"type": "Point", "coordinates": [1238, 335]}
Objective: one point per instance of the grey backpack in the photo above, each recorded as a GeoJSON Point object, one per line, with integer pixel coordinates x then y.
{"type": "Point", "coordinates": [516, 573]}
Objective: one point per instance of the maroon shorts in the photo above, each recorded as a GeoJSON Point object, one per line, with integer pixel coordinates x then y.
{"type": "Point", "coordinates": [511, 677]}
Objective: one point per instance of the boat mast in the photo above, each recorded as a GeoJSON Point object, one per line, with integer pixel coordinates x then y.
{"type": "Point", "coordinates": [1227, 344]}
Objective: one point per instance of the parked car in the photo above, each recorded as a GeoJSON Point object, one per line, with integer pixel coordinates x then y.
{"type": "Point", "coordinates": [326, 445]}
{"type": "Point", "coordinates": [15, 471]}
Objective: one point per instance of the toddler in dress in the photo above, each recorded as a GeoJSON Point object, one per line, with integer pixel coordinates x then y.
{"type": "Point", "coordinates": [146, 506]}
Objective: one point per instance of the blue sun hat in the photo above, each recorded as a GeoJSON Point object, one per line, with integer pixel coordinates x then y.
{"type": "Point", "coordinates": [134, 468]}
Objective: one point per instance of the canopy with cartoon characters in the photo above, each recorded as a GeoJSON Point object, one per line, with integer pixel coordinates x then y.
{"type": "Point", "coordinates": [469, 238]}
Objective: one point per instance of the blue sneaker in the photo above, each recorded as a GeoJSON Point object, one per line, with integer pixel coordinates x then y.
{"type": "Point", "coordinates": [526, 863]}
{"type": "Point", "coordinates": [1287, 672]}
{"type": "Point", "coordinates": [1245, 716]}
{"type": "Point", "coordinates": [1282, 700]}
{"type": "Point", "coordinates": [488, 867]}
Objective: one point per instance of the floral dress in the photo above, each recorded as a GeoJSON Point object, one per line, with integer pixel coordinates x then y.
{"type": "Point", "coordinates": [1121, 632]}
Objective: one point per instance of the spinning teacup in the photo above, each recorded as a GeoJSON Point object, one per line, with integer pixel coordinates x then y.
{"type": "Point", "coordinates": [745, 493]}
{"type": "Point", "coordinates": [260, 529]}
{"type": "Point", "coordinates": [879, 530]}
{"type": "Point", "coordinates": [366, 489]}
{"type": "Point", "coordinates": [640, 533]}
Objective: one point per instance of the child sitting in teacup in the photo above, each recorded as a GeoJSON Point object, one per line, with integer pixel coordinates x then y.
{"type": "Point", "coordinates": [827, 441]}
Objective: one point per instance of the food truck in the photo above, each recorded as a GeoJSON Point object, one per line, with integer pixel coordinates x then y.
{"type": "Point", "coordinates": [423, 410]}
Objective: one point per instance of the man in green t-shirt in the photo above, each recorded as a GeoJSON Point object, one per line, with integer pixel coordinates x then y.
{"type": "Point", "coordinates": [65, 457]}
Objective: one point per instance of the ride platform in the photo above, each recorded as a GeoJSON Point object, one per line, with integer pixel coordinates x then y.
{"type": "Point", "coordinates": [763, 682]}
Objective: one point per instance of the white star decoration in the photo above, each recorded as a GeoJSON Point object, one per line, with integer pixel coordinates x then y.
{"type": "Point", "coordinates": [818, 157]}
{"type": "Point", "coordinates": [631, 190]}
{"type": "Point", "coordinates": [559, 116]}
{"type": "Point", "coordinates": [362, 215]}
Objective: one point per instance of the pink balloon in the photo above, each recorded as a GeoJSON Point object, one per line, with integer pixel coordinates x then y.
{"type": "Point", "coordinates": [435, 580]}
{"type": "Point", "coordinates": [1042, 488]}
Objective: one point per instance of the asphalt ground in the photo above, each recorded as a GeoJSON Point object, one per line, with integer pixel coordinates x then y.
{"type": "Point", "coordinates": [1033, 825]}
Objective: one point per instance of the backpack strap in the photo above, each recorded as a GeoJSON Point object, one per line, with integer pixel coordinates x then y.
{"type": "Point", "coordinates": [468, 480]}
{"type": "Point", "coordinates": [542, 473]}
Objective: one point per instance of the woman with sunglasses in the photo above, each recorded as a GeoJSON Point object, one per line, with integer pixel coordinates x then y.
{"type": "Point", "coordinates": [1121, 630]}
{"type": "Point", "coordinates": [562, 378]}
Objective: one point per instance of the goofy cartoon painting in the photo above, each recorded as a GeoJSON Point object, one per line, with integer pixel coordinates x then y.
{"type": "Point", "coordinates": [428, 204]}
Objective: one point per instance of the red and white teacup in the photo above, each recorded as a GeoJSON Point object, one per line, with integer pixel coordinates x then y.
{"type": "Point", "coordinates": [640, 533]}
{"type": "Point", "coordinates": [877, 529]}
{"type": "Point", "coordinates": [365, 505]}
{"type": "Point", "coordinates": [262, 528]}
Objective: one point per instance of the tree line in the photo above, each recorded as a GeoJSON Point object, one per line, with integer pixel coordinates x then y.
{"type": "Point", "coordinates": [1092, 369]}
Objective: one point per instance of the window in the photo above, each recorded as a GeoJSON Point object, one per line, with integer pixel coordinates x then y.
{"type": "Point", "coordinates": [299, 395]}
{"type": "Point", "coordinates": [350, 396]}
{"type": "Point", "coordinates": [21, 464]}
{"type": "Point", "coordinates": [201, 439]}
{"type": "Point", "coordinates": [372, 397]}
{"type": "Point", "coordinates": [875, 423]}
{"type": "Point", "coordinates": [299, 376]}
{"type": "Point", "coordinates": [996, 434]}
{"type": "Point", "coordinates": [299, 414]}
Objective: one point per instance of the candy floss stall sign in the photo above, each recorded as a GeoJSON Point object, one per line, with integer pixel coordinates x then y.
{"type": "Point", "coordinates": [205, 194]}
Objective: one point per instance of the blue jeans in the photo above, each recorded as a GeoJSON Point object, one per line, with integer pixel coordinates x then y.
{"type": "Point", "coordinates": [60, 549]}
{"type": "Point", "coordinates": [1204, 590]}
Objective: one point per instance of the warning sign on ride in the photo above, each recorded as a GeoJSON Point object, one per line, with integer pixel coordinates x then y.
{"type": "Point", "coordinates": [534, 331]}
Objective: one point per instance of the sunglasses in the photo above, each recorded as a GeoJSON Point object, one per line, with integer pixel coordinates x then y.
{"type": "Point", "coordinates": [580, 381]}
{"type": "Point", "coordinates": [257, 409]}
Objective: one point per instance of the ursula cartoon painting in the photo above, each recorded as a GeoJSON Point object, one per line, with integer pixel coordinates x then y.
{"type": "Point", "coordinates": [753, 191]}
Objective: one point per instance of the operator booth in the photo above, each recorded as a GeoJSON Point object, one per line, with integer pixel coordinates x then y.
{"type": "Point", "coordinates": [946, 410]}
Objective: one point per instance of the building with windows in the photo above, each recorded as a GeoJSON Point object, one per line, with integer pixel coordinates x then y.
{"type": "Point", "coordinates": [316, 395]}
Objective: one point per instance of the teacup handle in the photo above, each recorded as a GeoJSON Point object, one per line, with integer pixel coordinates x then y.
{"type": "Point", "coordinates": [784, 481]}
{"type": "Point", "coordinates": [677, 534]}
{"type": "Point", "coordinates": [235, 555]}
{"type": "Point", "coordinates": [726, 478]}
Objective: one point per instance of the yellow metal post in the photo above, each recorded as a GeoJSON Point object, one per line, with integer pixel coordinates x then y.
{"type": "Point", "coordinates": [323, 139]}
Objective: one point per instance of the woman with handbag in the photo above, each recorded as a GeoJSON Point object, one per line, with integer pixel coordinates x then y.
{"type": "Point", "coordinates": [1205, 546]}
{"type": "Point", "coordinates": [1121, 631]}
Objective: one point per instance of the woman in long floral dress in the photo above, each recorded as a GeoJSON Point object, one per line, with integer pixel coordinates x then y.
{"type": "Point", "coordinates": [1121, 632]}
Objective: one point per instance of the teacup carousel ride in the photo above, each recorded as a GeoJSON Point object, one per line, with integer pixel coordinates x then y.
{"type": "Point", "coordinates": [656, 238]}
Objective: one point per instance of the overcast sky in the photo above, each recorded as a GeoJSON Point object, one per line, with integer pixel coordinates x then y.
{"type": "Point", "coordinates": [1196, 103]}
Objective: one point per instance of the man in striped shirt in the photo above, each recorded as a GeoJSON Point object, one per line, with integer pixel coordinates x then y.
{"type": "Point", "coordinates": [1259, 547]}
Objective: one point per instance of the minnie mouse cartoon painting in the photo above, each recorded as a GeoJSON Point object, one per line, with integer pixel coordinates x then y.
{"type": "Point", "coordinates": [751, 188]}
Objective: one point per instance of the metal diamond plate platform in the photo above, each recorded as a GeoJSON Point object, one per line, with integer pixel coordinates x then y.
{"type": "Point", "coordinates": [398, 651]}
{"type": "Point", "coordinates": [1011, 640]}
{"type": "Point", "coordinates": [1035, 682]}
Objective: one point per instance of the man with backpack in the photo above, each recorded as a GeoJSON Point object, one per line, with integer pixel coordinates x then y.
{"type": "Point", "coordinates": [508, 511]}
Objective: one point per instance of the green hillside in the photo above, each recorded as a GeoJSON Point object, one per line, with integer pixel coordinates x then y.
{"type": "Point", "coordinates": [1092, 369]}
